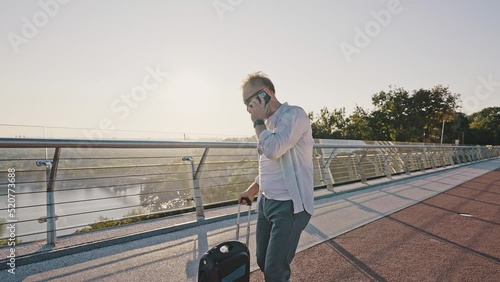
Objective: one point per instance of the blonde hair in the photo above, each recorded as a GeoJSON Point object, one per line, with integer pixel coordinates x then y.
{"type": "Point", "coordinates": [258, 78]}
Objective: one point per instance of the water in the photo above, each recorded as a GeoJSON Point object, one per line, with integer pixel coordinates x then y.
{"type": "Point", "coordinates": [29, 195]}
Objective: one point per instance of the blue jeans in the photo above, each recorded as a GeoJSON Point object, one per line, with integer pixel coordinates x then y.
{"type": "Point", "coordinates": [278, 233]}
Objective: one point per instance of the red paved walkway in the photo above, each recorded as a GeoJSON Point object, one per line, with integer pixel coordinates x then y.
{"type": "Point", "coordinates": [429, 241]}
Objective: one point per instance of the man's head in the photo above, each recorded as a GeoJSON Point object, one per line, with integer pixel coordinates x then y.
{"type": "Point", "coordinates": [255, 82]}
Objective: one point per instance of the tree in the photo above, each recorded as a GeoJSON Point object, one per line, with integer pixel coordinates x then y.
{"type": "Point", "coordinates": [399, 116]}
{"type": "Point", "coordinates": [164, 191]}
{"type": "Point", "coordinates": [456, 129]}
{"type": "Point", "coordinates": [358, 125]}
{"type": "Point", "coordinates": [240, 139]}
{"type": "Point", "coordinates": [391, 116]}
{"type": "Point", "coordinates": [484, 127]}
{"type": "Point", "coordinates": [329, 125]}
{"type": "Point", "coordinates": [432, 107]}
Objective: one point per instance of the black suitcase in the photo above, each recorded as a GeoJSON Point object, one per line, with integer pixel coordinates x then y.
{"type": "Point", "coordinates": [228, 261]}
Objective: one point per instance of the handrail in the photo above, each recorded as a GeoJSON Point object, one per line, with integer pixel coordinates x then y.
{"type": "Point", "coordinates": [138, 144]}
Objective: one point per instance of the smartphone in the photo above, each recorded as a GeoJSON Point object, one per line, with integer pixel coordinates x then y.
{"type": "Point", "coordinates": [265, 96]}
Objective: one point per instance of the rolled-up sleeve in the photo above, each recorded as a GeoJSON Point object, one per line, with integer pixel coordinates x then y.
{"type": "Point", "coordinates": [289, 129]}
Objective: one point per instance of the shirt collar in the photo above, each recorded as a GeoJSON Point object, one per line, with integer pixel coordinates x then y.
{"type": "Point", "coordinates": [275, 117]}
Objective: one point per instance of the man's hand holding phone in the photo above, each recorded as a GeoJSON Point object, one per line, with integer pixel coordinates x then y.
{"type": "Point", "coordinates": [258, 106]}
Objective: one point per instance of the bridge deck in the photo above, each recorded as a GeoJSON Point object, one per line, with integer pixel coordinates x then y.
{"type": "Point", "coordinates": [429, 241]}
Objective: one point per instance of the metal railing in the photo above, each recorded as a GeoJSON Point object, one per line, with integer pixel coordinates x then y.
{"type": "Point", "coordinates": [109, 177]}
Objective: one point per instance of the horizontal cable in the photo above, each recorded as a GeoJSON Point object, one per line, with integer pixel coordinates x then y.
{"type": "Point", "coordinates": [96, 178]}
{"type": "Point", "coordinates": [231, 162]}
{"type": "Point", "coordinates": [237, 155]}
{"type": "Point", "coordinates": [98, 199]}
{"type": "Point", "coordinates": [89, 168]}
{"type": "Point", "coordinates": [122, 167]}
{"type": "Point", "coordinates": [41, 170]}
{"type": "Point", "coordinates": [88, 224]}
{"type": "Point", "coordinates": [24, 220]}
{"type": "Point", "coordinates": [25, 235]}
{"type": "Point", "coordinates": [132, 175]}
{"type": "Point", "coordinates": [212, 177]}
{"type": "Point", "coordinates": [45, 231]}
{"type": "Point", "coordinates": [96, 211]}
{"type": "Point", "coordinates": [25, 182]}
{"type": "Point", "coordinates": [125, 158]}
{"type": "Point", "coordinates": [26, 207]}
{"type": "Point", "coordinates": [92, 178]}
{"type": "Point", "coordinates": [104, 186]}
{"type": "Point", "coordinates": [117, 208]}
{"type": "Point", "coordinates": [7, 160]}
{"type": "Point", "coordinates": [225, 185]}
{"type": "Point", "coordinates": [224, 169]}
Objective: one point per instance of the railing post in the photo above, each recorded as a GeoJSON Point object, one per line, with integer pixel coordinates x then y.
{"type": "Point", "coordinates": [326, 173]}
{"type": "Point", "coordinates": [421, 161]}
{"type": "Point", "coordinates": [443, 159]}
{"type": "Point", "coordinates": [375, 165]}
{"type": "Point", "coordinates": [51, 172]}
{"type": "Point", "coordinates": [433, 159]}
{"type": "Point", "coordinates": [387, 170]}
{"type": "Point", "coordinates": [470, 152]}
{"type": "Point", "coordinates": [200, 212]}
{"type": "Point", "coordinates": [450, 157]}
{"type": "Point", "coordinates": [456, 153]}
{"type": "Point", "coordinates": [478, 154]}
{"type": "Point", "coordinates": [405, 163]}
{"type": "Point", "coordinates": [468, 155]}
{"type": "Point", "coordinates": [361, 171]}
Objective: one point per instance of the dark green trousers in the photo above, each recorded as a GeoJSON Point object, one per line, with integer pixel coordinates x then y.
{"type": "Point", "coordinates": [278, 233]}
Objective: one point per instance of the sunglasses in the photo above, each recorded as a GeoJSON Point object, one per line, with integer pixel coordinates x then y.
{"type": "Point", "coordinates": [249, 99]}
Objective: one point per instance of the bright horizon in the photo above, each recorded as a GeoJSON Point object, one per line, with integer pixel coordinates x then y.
{"type": "Point", "coordinates": [176, 66]}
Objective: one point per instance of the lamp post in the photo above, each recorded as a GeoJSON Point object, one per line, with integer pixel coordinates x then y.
{"type": "Point", "coordinates": [442, 133]}
{"type": "Point", "coordinates": [497, 114]}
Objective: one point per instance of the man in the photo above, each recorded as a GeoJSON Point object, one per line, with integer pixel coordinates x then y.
{"type": "Point", "coordinates": [285, 180]}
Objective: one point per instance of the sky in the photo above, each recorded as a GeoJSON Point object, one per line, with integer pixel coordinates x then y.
{"type": "Point", "coordinates": [101, 69]}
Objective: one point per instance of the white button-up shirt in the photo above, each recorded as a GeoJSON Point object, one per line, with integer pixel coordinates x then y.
{"type": "Point", "coordinates": [288, 138]}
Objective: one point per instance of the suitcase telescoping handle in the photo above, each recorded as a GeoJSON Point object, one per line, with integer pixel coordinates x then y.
{"type": "Point", "coordinates": [248, 222]}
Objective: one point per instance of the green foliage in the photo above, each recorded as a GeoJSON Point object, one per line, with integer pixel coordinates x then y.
{"type": "Point", "coordinates": [398, 115]}
{"type": "Point", "coordinates": [328, 125]}
{"type": "Point", "coordinates": [5, 242]}
{"type": "Point", "coordinates": [432, 108]}
{"type": "Point", "coordinates": [3, 226]}
{"type": "Point", "coordinates": [358, 125]}
{"type": "Point", "coordinates": [485, 127]}
{"type": "Point", "coordinates": [132, 216]}
{"type": "Point", "coordinates": [456, 129]}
